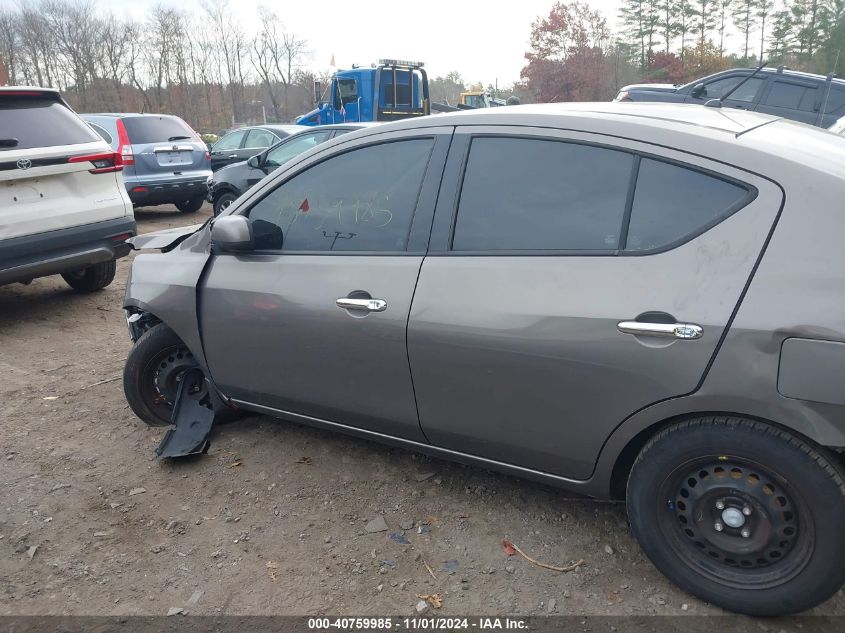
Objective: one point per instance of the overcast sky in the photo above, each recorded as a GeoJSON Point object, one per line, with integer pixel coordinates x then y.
{"type": "Point", "coordinates": [484, 41]}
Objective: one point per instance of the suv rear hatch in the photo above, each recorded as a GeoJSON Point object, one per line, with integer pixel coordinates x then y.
{"type": "Point", "coordinates": [163, 146]}
{"type": "Point", "coordinates": [55, 172]}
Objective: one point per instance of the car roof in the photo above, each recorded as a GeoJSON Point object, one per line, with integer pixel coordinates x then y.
{"type": "Point", "coordinates": [126, 115]}
{"type": "Point", "coordinates": [51, 91]}
{"type": "Point", "coordinates": [686, 127]}
{"type": "Point", "coordinates": [781, 70]}
{"type": "Point", "coordinates": [584, 115]}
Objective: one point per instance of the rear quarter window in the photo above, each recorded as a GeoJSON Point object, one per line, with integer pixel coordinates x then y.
{"type": "Point", "coordinates": [40, 122]}
{"type": "Point", "coordinates": [157, 129]}
{"type": "Point", "coordinates": [673, 203]}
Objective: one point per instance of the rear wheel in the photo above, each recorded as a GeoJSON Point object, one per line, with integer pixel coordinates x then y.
{"type": "Point", "coordinates": [190, 206]}
{"type": "Point", "coordinates": [92, 278]}
{"type": "Point", "coordinates": [223, 202]}
{"type": "Point", "coordinates": [153, 371]}
{"type": "Point", "coordinates": [741, 514]}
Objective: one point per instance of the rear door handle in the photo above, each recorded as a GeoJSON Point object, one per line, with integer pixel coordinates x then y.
{"type": "Point", "coordinates": [370, 305]}
{"type": "Point", "coordinates": [685, 331]}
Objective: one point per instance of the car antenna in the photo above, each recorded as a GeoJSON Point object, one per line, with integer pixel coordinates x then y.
{"type": "Point", "coordinates": [717, 103]}
{"type": "Point", "coordinates": [829, 82]}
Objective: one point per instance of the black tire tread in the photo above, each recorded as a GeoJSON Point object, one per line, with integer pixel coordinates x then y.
{"type": "Point", "coordinates": [756, 425]}
{"type": "Point", "coordinates": [828, 473]}
{"type": "Point", "coordinates": [95, 277]}
{"type": "Point", "coordinates": [148, 343]}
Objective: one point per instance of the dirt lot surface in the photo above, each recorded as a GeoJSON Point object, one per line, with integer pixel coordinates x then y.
{"type": "Point", "coordinates": [277, 518]}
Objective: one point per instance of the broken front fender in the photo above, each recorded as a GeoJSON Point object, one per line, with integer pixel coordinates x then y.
{"type": "Point", "coordinates": [164, 240]}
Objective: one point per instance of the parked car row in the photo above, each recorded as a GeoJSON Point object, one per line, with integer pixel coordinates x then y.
{"type": "Point", "coordinates": [813, 99]}
{"type": "Point", "coordinates": [228, 183]}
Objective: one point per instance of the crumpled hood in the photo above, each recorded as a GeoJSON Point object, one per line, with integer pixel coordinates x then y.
{"type": "Point", "coordinates": [163, 240]}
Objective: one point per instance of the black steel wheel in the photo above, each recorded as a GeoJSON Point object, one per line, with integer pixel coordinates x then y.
{"type": "Point", "coordinates": [153, 371]}
{"type": "Point", "coordinates": [741, 514]}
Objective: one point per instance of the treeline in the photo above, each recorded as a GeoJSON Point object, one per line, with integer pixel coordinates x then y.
{"type": "Point", "coordinates": [671, 35]}
{"type": "Point", "coordinates": [574, 56]}
{"type": "Point", "coordinates": [203, 67]}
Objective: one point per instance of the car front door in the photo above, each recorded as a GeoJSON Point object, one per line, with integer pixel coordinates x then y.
{"type": "Point", "coordinates": [225, 151]}
{"type": "Point", "coordinates": [742, 97]}
{"type": "Point", "coordinates": [313, 323]}
{"type": "Point", "coordinates": [566, 287]}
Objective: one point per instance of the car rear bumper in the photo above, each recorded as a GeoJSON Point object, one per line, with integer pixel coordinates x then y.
{"type": "Point", "coordinates": [27, 257]}
{"type": "Point", "coordinates": [153, 192]}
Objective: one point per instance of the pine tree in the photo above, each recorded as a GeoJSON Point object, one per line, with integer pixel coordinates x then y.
{"type": "Point", "coordinates": [722, 8]}
{"type": "Point", "coordinates": [704, 20]}
{"type": "Point", "coordinates": [639, 20]}
{"type": "Point", "coordinates": [765, 9]}
{"type": "Point", "coordinates": [745, 20]}
{"type": "Point", "coordinates": [779, 42]}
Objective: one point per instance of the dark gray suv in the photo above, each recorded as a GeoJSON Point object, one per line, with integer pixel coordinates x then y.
{"type": "Point", "coordinates": [635, 301]}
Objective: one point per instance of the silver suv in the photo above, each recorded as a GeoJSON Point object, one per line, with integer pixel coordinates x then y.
{"type": "Point", "coordinates": [635, 301]}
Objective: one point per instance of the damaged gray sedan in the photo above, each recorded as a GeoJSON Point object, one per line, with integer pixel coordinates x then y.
{"type": "Point", "coordinates": [638, 301]}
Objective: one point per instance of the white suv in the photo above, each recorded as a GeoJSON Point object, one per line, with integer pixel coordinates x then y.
{"type": "Point", "coordinates": [63, 207]}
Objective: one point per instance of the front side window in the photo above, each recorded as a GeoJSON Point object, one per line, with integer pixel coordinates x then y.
{"type": "Point", "coordinates": [747, 92]}
{"type": "Point", "coordinates": [536, 194]}
{"type": "Point", "coordinates": [672, 202]}
{"type": "Point", "coordinates": [361, 200]}
{"type": "Point", "coordinates": [230, 141]}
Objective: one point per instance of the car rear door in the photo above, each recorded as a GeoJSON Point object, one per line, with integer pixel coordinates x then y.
{"type": "Point", "coordinates": [793, 98]}
{"type": "Point", "coordinates": [225, 151]}
{"type": "Point", "coordinates": [567, 280]}
{"type": "Point", "coordinates": [313, 322]}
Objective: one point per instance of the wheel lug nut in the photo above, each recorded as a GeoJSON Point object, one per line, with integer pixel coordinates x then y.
{"type": "Point", "coordinates": [746, 533]}
{"type": "Point", "coordinates": [720, 505]}
{"type": "Point", "coordinates": [746, 511]}
{"type": "Point", "coordinates": [718, 527]}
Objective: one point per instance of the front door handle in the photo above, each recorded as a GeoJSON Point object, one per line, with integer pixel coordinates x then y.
{"type": "Point", "coordinates": [370, 305]}
{"type": "Point", "coordinates": [685, 331]}
{"type": "Point", "coordinates": [232, 156]}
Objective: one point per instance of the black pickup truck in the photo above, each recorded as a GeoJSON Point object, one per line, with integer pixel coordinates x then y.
{"type": "Point", "coordinates": [814, 99]}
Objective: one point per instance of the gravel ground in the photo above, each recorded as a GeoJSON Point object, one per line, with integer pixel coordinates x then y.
{"type": "Point", "coordinates": [277, 518]}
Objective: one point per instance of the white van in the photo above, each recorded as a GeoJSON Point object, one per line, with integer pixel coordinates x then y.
{"type": "Point", "coordinates": [63, 207]}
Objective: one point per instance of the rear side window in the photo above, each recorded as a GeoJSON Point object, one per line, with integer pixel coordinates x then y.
{"type": "Point", "coordinates": [534, 194]}
{"type": "Point", "coordinates": [157, 129]}
{"type": "Point", "coordinates": [260, 139]}
{"type": "Point", "coordinates": [102, 132]}
{"type": "Point", "coordinates": [672, 203]}
{"type": "Point", "coordinates": [30, 122]}
{"type": "Point", "coordinates": [362, 200]}
{"type": "Point", "coordinates": [792, 96]}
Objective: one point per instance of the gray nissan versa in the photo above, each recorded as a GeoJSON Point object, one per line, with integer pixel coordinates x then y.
{"type": "Point", "coordinates": [638, 301]}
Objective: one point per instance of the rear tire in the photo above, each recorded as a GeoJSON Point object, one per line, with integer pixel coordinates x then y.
{"type": "Point", "coordinates": [223, 202]}
{"type": "Point", "coordinates": [93, 278]}
{"type": "Point", "coordinates": [152, 373]}
{"type": "Point", "coordinates": [741, 514]}
{"type": "Point", "coordinates": [190, 206]}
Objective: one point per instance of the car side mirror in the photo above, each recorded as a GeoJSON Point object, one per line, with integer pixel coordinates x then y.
{"type": "Point", "coordinates": [255, 161]}
{"type": "Point", "coordinates": [232, 233]}
{"type": "Point", "coordinates": [697, 90]}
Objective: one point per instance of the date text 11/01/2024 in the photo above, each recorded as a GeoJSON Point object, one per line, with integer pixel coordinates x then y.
{"type": "Point", "coordinates": [412, 624]}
